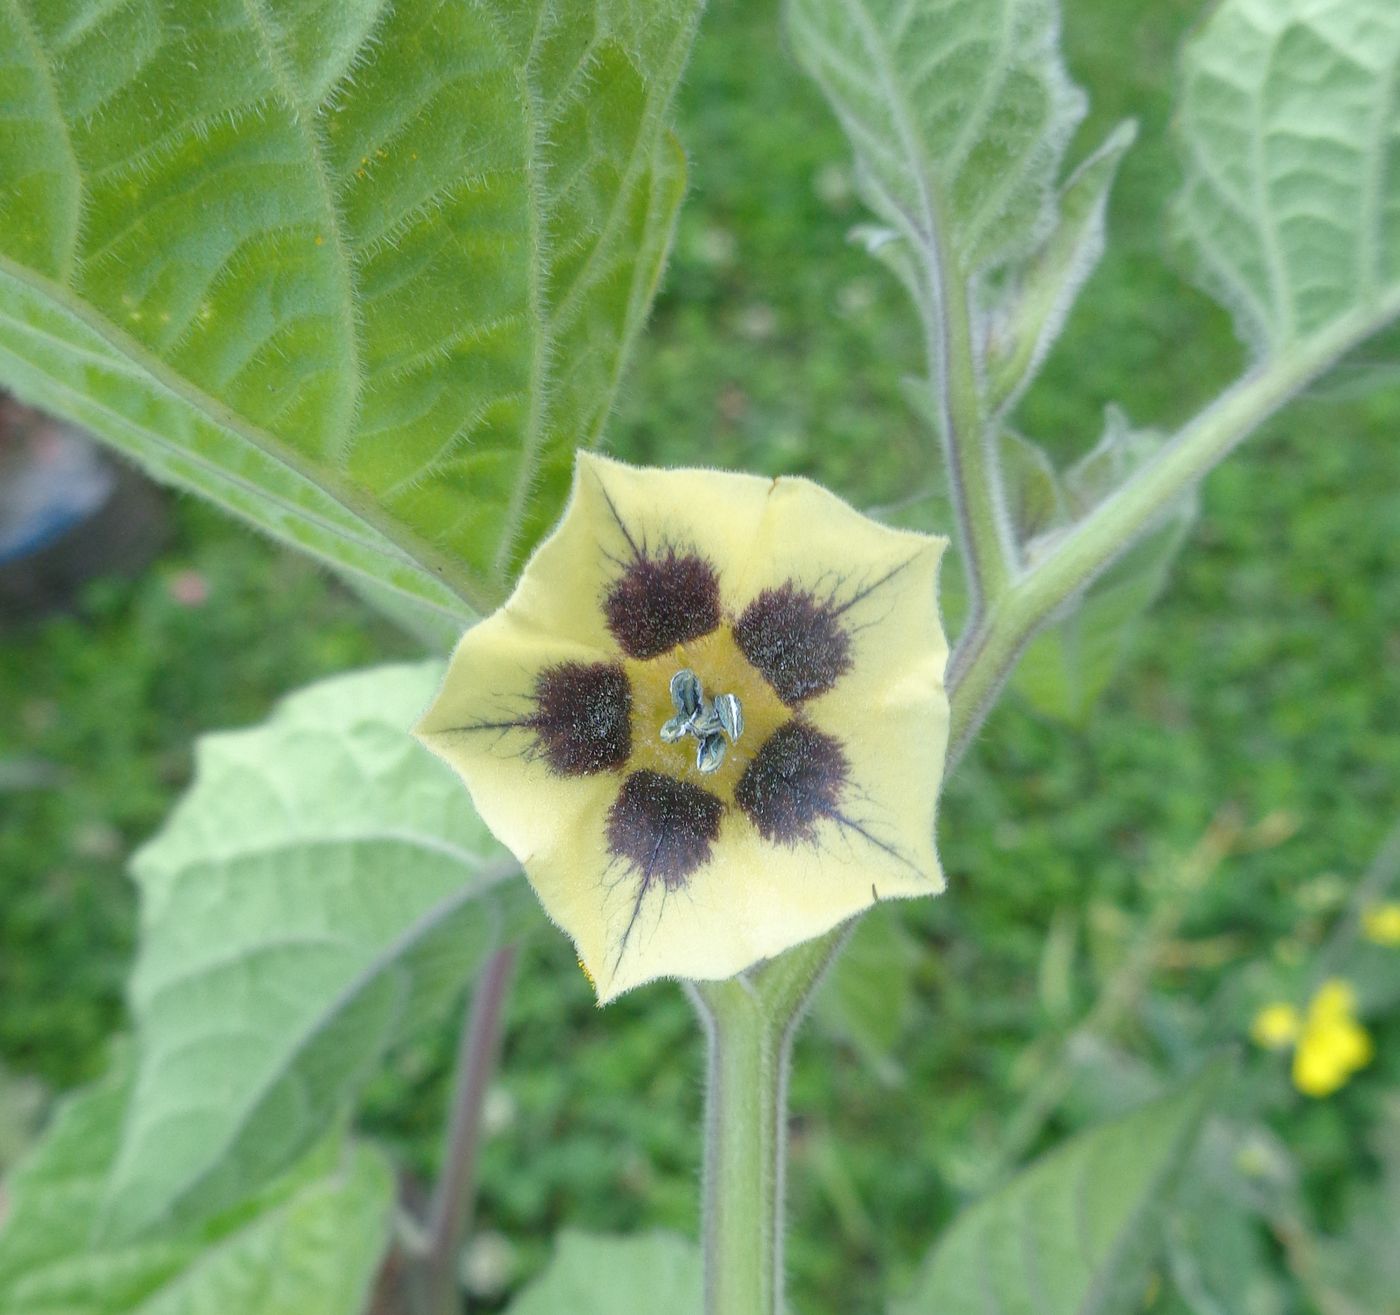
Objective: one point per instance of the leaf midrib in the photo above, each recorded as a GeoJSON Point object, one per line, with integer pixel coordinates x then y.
{"type": "Point", "coordinates": [453, 572]}
{"type": "Point", "coordinates": [190, 454]}
{"type": "Point", "coordinates": [1369, 261]}
{"type": "Point", "coordinates": [1283, 308]}
{"type": "Point", "coordinates": [540, 334]}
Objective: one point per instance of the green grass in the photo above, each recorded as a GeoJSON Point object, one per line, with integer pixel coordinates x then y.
{"type": "Point", "coordinates": [1265, 680]}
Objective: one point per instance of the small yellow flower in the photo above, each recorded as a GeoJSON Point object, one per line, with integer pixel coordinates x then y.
{"type": "Point", "coordinates": [1381, 924]}
{"type": "Point", "coordinates": [710, 722]}
{"type": "Point", "coordinates": [1330, 1044]}
{"type": "Point", "coordinates": [1276, 1027]}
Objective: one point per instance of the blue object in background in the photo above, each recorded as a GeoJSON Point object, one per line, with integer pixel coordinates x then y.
{"type": "Point", "coordinates": [51, 481]}
{"type": "Point", "coordinates": [68, 513]}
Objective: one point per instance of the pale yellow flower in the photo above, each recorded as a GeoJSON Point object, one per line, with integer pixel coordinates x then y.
{"type": "Point", "coordinates": [710, 722]}
{"type": "Point", "coordinates": [1330, 1043]}
{"type": "Point", "coordinates": [1381, 924]}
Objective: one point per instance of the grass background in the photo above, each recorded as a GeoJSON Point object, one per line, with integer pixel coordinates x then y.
{"type": "Point", "coordinates": [1264, 683]}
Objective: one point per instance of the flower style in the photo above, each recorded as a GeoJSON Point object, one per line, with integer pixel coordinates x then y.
{"type": "Point", "coordinates": [710, 722]}
{"type": "Point", "coordinates": [1330, 1044]}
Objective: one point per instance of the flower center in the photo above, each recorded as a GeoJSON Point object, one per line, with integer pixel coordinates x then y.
{"type": "Point", "coordinates": [719, 668]}
{"type": "Point", "coordinates": [715, 723]}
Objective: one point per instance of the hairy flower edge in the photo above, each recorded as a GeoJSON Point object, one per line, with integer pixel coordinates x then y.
{"type": "Point", "coordinates": [697, 854]}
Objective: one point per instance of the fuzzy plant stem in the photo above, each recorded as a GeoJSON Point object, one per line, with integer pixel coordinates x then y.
{"type": "Point", "coordinates": [1015, 608]}
{"type": "Point", "coordinates": [750, 1021]}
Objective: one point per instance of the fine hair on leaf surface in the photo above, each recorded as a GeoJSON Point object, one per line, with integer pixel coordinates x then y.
{"type": "Point", "coordinates": [363, 274]}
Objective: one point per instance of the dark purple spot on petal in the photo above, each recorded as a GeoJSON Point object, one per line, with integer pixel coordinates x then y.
{"type": "Point", "coordinates": [659, 602]}
{"type": "Point", "coordinates": [583, 717]}
{"type": "Point", "coordinates": [794, 781]}
{"type": "Point", "coordinates": [663, 827]}
{"type": "Point", "coordinates": [796, 641]}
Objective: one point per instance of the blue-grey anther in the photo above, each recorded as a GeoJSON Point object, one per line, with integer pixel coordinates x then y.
{"type": "Point", "coordinates": [714, 723]}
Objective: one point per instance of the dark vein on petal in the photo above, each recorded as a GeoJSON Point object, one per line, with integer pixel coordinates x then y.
{"type": "Point", "coordinates": [869, 589]}
{"type": "Point", "coordinates": [851, 824]}
{"type": "Point", "coordinates": [621, 525]}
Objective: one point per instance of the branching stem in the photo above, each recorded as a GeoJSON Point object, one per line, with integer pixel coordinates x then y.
{"type": "Point", "coordinates": [1014, 611]}
{"type": "Point", "coordinates": [956, 392]}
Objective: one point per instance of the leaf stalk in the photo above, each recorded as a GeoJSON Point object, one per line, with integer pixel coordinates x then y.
{"type": "Point", "coordinates": [1016, 611]}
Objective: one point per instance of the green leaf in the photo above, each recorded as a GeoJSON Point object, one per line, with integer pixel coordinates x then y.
{"type": "Point", "coordinates": [323, 884]}
{"type": "Point", "coordinates": [1074, 1233]}
{"type": "Point", "coordinates": [958, 112]}
{"type": "Point", "coordinates": [867, 998]}
{"type": "Point", "coordinates": [1027, 316]}
{"type": "Point", "coordinates": [1067, 668]}
{"type": "Point", "coordinates": [1218, 1249]}
{"type": "Point", "coordinates": [1354, 1267]}
{"type": "Point", "coordinates": [1290, 127]}
{"type": "Point", "coordinates": [364, 273]}
{"type": "Point", "coordinates": [310, 1245]}
{"type": "Point", "coordinates": [1035, 500]}
{"type": "Point", "coordinates": [595, 1275]}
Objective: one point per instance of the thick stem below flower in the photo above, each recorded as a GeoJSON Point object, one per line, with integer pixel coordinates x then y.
{"type": "Point", "coordinates": [750, 1021]}
{"type": "Point", "coordinates": [745, 1135]}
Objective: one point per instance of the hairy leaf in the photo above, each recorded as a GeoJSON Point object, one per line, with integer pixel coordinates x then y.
{"type": "Point", "coordinates": [1067, 667]}
{"type": "Point", "coordinates": [321, 885]}
{"type": "Point", "coordinates": [958, 112]}
{"type": "Point", "coordinates": [1071, 1235]}
{"type": "Point", "coordinates": [1290, 125]}
{"type": "Point", "coordinates": [957, 109]}
{"type": "Point", "coordinates": [594, 1275]}
{"type": "Point", "coordinates": [365, 274]}
{"type": "Point", "coordinates": [309, 1245]}
{"type": "Point", "coordinates": [1027, 316]}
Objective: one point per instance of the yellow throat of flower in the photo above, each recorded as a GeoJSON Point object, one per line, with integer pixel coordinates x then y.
{"type": "Point", "coordinates": [722, 669]}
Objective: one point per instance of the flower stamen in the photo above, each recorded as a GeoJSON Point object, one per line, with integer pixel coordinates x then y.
{"type": "Point", "coordinates": [715, 723]}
